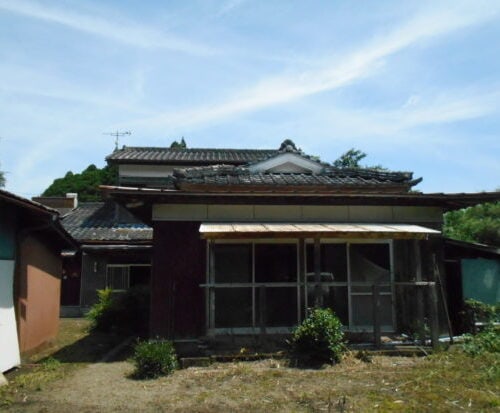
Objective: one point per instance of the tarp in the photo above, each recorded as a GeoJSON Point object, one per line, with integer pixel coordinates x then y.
{"type": "Point", "coordinates": [9, 345]}
{"type": "Point", "coordinates": [481, 280]}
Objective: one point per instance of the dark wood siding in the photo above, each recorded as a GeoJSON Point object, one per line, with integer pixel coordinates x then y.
{"type": "Point", "coordinates": [177, 300]}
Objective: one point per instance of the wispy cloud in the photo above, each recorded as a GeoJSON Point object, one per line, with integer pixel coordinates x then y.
{"type": "Point", "coordinates": [123, 31]}
{"type": "Point", "coordinates": [333, 74]}
{"type": "Point", "coordinates": [229, 6]}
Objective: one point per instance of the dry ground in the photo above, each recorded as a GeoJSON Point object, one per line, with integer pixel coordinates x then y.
{"type": "Point", "coordinates": [447, 382]}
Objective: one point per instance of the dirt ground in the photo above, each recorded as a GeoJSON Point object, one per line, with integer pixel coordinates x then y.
{"type": "Point", "coordinates": [245, 386]}
{"type": "Point", "coordinates": [72, 379]}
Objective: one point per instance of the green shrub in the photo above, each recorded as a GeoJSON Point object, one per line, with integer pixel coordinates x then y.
{"type": "Point", "coordinates": [487, 341]}
{"type": "Point", "coordinates": [319, 339]}
{"type": "Point", "coordinates": [154, 358]}
{"type": "Point", "coordinates": [477, 311]}
{"type": "Point", "coordinates": [121, 313]}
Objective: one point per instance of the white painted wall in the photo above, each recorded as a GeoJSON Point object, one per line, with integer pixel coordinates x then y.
{"type": "Point", "coordinates": [9, 345]}
{"type": "Point", "coordinates": [296, 213]}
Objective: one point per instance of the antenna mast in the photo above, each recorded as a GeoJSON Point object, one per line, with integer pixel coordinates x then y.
{"type": "Point", "coordinates": [117, 135]}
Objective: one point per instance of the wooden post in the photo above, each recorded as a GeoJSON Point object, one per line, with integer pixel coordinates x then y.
{"type": "Point", "coordinates": [376, 315]}
{"type": "Point", "coordinates": [262, 309]}
{"type": "Point", "coordinates": [318, 296]}
{"type": "Point", "coordinates": [433, 310]}
{"type": "Point", "coordinates": [301, 280]}
{"type": "Point", "coordinates": [211, 280]}
{"type": "Point", "coordinates": [420, 325]}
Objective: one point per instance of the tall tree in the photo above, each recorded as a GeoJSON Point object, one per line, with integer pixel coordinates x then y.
{"type": "Point", "coordinates": [85, 184]}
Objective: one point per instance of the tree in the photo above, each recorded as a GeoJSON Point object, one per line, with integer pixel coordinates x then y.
{"type": "Point", "coordinates": [85, 184]}
{"type": "Point", "coordinates": [178, 145]}
{"type": "Point", "coordinates": [2, 179]}
{"type": "Point", "coordinates": [349, 159]}
{"type": "Point", "coordinates": [480, 223]}
{"type": "Point", "coordinates": [352, 159]}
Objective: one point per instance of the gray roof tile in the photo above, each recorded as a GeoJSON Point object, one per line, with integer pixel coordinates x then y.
{"type": "Point", "coordinates": [98, 222]}
{"type": "Point", "coordinates": [152, 155]}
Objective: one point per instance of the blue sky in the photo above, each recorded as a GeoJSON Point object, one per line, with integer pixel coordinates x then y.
{"type": "Point", "coordinates": [415, 85]}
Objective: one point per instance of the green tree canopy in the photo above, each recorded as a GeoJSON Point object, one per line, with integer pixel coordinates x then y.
{"type": "Point", "coordinates": [480, 223]}
{"type": "Point", "coordinates": [85, 184]}
{"type": "Point", "coordinates": [2, 179]}
{"type": "Point", "coordinates": [178, 145]}
{"type": "Point", "coordinates": [352, 159]}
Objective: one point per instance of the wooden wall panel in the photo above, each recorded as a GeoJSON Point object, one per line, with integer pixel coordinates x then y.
{"type": "Point", "coordinates": [177, 300]}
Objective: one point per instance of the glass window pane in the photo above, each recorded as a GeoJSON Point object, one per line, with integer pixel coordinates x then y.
{"type": "Point", "coordinates": [362, 310]}
{"type": "Point", "coordinates": [333, 261]}
{"type": "Point", "coordinates": [275, 263]}
{"type": "Point", "coordinates": [233, 307]}
{"type": "Point", "coordinates": [335, 298]}
{"type": "Point", "coordinates": [370, 263]}
{"type": "Point", "coordinates": [280, 307]}
{"type": "Point", "coordinates": [233, 263]}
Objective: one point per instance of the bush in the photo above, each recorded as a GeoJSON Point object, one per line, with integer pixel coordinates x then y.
{"type": "Point", "coordinates": [477, 311]}
{"type": "Point", "coordinates": [319, 339]}
{"type": "Point", "coordinates": [488, 341]}
{"type": "Point", "coordinates": [153, 359]}
{"type": "Point", "coordinates": [122, 313]}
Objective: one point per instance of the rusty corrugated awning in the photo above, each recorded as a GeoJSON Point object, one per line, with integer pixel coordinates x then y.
{"type": "Point", "coordinates": [322, 230]}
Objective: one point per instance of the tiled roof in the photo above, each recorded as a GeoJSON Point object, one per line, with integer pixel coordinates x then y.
{"type": "Point", "coordinates": [192, 156]}
{"type": "Point", "coordinates": [331, 178]}
{"type": "Point", "coordinates": [98, 222]}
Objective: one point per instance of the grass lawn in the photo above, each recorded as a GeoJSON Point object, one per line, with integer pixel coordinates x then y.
{"type": "Point", "coordinates": [73, 348]}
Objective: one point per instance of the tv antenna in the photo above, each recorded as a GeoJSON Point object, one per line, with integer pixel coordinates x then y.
{"type": "Point", "coordinates": [117, 134]}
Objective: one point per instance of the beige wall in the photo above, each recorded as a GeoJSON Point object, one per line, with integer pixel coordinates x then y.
{"type": "Point", "coordinates": [297, 213]}
{"type": "Point", "coordinates": [39, 289]}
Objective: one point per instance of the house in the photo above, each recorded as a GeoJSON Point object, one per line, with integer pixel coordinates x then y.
{"type": "Point", "coordinates": [244, 242]}
{"type": "Point", "coordinates": [114, 250]}
{"type": "Point", "coordinates": [31, 240]}
{"type": "Point", "coordinates": [473, 272]}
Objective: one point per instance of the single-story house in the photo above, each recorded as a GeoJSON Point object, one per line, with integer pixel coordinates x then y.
{"type": "Point", "coordinates": [114, 251]}
{"type": "Point", "coordinates": [246, 243]}
{"type": "Point", "coordinates": [31, 240]}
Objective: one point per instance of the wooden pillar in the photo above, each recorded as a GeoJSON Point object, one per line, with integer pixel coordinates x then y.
{"type": "Point", "coordinates": [262, 308]}
{"type": "Point", "coordinates": [420, 308]}
{"type": "Point", "coordinates": [211, 280]}
{"type": "Point", "coordinates": [376, 315]}
{"type": "Point", "coordinates": [302, 279]}
{"type": "Point", "coordinates": [433, 310]}
{"type": "Point", "coordinates": [318, 296]}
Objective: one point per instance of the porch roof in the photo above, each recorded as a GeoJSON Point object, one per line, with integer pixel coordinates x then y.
{"type": "Point", "coordinates": [314, 230]}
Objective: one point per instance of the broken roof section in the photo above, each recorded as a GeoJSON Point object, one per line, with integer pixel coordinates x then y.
{"type": "Point", "coordinates": [106, 222]}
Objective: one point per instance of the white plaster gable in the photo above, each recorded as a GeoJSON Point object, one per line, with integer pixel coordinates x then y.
{"type": "Point", "coordinates": [287, 163]}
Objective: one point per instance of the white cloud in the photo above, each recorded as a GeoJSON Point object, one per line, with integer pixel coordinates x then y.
{"type": "Point", "coordinates": [341, 72]}
{"type": "Point", "coordinates": [121, 31]}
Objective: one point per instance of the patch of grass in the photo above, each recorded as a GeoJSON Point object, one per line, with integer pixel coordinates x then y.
{"type": "Point", "coordinates": [73, 348]}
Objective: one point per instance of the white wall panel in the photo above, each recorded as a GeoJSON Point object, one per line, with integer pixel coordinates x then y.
{"type": "Point", "coordinates": [9, 345]}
